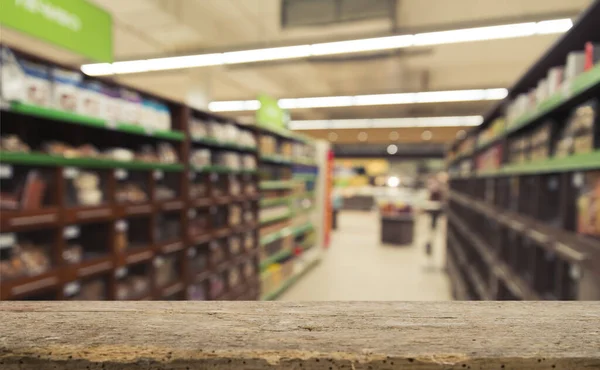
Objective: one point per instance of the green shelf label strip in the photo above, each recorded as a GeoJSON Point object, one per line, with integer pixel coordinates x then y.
{"type": "Point", "coordinates": [275, 219]}
{"type": "Point", "coordinates": [580, 162]}
{"type": "Point", "coordinates": [278, 159]}
{"type": "Point", "coordinates": [53, 114]}
{"type": "Point", "coordinates": [275, 202]}
{"type": "Point", "coordinates": [277, 184]}
{"type": "Point", "coordinates": [274, 259]}
{"type": "Point", "coordinates": [40, 159]}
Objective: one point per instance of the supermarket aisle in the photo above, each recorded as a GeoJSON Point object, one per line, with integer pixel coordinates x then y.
{"type": "Point", "coordinates": [357, 267]}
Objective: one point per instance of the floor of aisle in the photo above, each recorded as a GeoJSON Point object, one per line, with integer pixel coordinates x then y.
{"type": "Point", "coordinates": [358, 267]}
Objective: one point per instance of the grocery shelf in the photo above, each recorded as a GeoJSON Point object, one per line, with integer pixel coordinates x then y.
{"type": "Point", "coordinates": [40, 159]}
{"type": "Point", "coordinates": [222, 169]}
{"type": "Point", "coordinates": [302, 229]}
{"type": "Point", "coordinates": [276, 184]}
{"type": "Point", "coordinates": [289, 282]}
{"type": "Point", "coordinates": [282, 233]}
{"type": "Point", "coordinates": [305, 177]}
{"type": "Point", "coordinates": [213, 142]}
{"type": "Point", "coordinates": [264, 264]}
{"type": "Point", "coordinates": [268, 220]}
{"type": "Point", "coordinates": [581, 85]}
{"type": "Point", "coordinates": [275, 202]}
{"type": "Point", "coordinates": [69, 117]}
{"type": "Point", "coordinates": [276, 159]}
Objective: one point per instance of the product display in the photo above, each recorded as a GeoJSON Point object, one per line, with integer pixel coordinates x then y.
{"type": "Point", "coordinates": [524, 226]}
{"type": "Point", "coordinates": [131, 205]}
{"type": "Point", "coordinates": [581, 133]}
{"type": "Point", "coordinates": [588, 205]}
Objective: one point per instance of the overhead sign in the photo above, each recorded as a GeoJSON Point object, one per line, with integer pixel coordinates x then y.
{"type": "Point", "coordinates": [270, 114]}
{"type": "Point", "coordinates": [75, 25]}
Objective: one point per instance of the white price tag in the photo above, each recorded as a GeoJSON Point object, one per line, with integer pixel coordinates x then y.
{"type": "Point", "coordinates": [70, 172]}
{"type": "Point", "coordinates": [121, 225]}
{"type": "Point", "coordinates": [71, 232]}
{"type": "Point", "coordinates": [578, 179]}
{"type": "Point", "coordinates": [6, 171]}
{"type": "Point", "coordinates": [7, 240]}
{"type": "Point", "coordinates": [72, 288]}
{"type": "Point", "coordinates": [158, 174]}
{"type": "Point", "coordinates": [121, 174]}
{"type": "Point", "coordinates": [121, 272]}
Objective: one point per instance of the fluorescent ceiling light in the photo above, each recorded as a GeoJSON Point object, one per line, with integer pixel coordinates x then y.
{"type": "Point", "coordinates": [260, 55]}
{"type": "Point", "coordinates": [332, 48]}
{"type": "Point", "coordinates": [233, 106]}
{"type": "Point", "coordinates": [361, 100]}
{"type": "Point", "coordinates": [456, 121]}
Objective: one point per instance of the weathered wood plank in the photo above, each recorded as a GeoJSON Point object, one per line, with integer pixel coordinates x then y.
{"type": "Point", "coordinates": [329, 335]}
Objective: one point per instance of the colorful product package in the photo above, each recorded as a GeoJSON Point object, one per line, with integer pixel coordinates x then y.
{"type": "Point", "coordinates": [65, 89]}
{"type": "Point", "coordinates": [588, 205]}
{"type": "Point", "coordinates": [112, 104]}
{"type": "Point", "coordinates": [131, 107]}
{"type": "Point", "coordinates": [24, 81]}
{"type": "Point", "coordinates": [91, 101]}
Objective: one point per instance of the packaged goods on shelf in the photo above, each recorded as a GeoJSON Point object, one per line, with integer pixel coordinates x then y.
{"type": "Point", "coordinates": [198, 128]}
{"type": "Point", "coordinates": [249, 162]}
{"type": "Point", "coordinates": [216, 253]}
{"type": "Point", "coordinates": [65, 89]}
{"type": "Point", "coordinates": [24, 258]}
{"type": "Point", "coordinates": [490, 159]}
{"type": "Point", "coordinates": [95, 100]}
{"type": "Point", "coordinates": [134, 283]}
{"type": "Point", "coordinates": [555, 79]}
{"type": "Point", "coordinates": [246, 138]}
{"type": "Point", "coordinates": [228, 159]}
{"type": "Point", "coordinates": [235, 245]}
{"type": "Point", "coordinates": [13, 143]}
{"type": "Point", "coordinates": [200, 158]}
{"type": "Point", "coordinates": [592, 55]}
{"type": "Point", "coordinates": [519, 149]}
{"type": "Point", "coordinates": [23, 80]}
{"type": "Point", "coordinates": [198, 259]}
{"type": "Point", "coordinates": [216, 286]}
{"type": "Point", "coordinates": [131, 106]}
{"type": "Point", "coordinates": [491, 132]}
{"type": "Point", "coordinates": [540, 142]}
{"type": "Point", "coordinates": [588, 205]}
{"type": "Point", "coordinates": [235, 215]}
{"type": "Point", "coordinates": [248, 241]}
{"type": "Point", "coordinates": [581, 133]}
{"type": "Point", "coordinates": [574, 67]}
{"type": "Point", "coordinates": [166, 268]}
{"type": "Point", "coordinates": [87, 189]}
{"type": "Point", "coordinates": [248, 270]}
{"type": "Point", "coordinates": [94, 289]}
{"type": "Point", "coordinates": [268, 144]}
{"type": "Point", "coordinates": [234, 277]}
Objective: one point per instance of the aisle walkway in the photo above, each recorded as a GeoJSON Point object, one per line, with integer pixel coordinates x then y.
{"type": "Point", "coordinates": [358, 267]}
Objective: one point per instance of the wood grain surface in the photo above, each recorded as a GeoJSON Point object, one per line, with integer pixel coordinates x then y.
{"type": "Point", "coordinates": [327, 335]}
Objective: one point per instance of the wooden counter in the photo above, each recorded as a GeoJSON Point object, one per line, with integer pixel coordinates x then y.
{"type": "Point", "coordinates": [328, 335]}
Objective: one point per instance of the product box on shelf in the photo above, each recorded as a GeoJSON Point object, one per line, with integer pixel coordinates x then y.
{"type": "Point", "coordinates": [574, 67]}
{"type": "Point", "coordinates": [131, 106]}
{"type": "Point", "coordinates": [65, 89]}
{"type": "Point", "coordinates": [91, 101]}
{"type": "Point", "coordinates": [22, 80]}
{"type": "Point", "coordinates": [519, 150]}
{"type": "Point", "coordinates": [540, 142]}
{"type": "Point", "coordinates": [490, 159]}
{"type": "Point", "coordinates": [588, 205]}
{"type": "Point", "coordinates": [592, 55]}
{"type": "Point", "coordinates": [581, 132]}
{"type": "Point", "coordinates": [555, 80]}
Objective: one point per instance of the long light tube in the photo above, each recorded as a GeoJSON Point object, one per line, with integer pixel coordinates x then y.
{"type": "Point", "coordinates": [332, 48]}
{"type": "Point", "coordinates": [361, 100]}
{"type": "Point", "coordinates": [455, 121]}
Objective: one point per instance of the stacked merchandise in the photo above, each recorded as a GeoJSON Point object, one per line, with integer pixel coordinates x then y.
{"type": "Point", "coordinates": [288, 182]}
{"type": "Point", "coordinates": [100, 200]}
{"type": "Point", "coordinates": [525, 225]}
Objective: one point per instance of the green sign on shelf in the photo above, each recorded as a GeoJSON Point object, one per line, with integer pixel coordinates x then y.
{"type": "Point", "coordinates": [270, 114]}
{"type": "Point", "coordinates": [75, 25]}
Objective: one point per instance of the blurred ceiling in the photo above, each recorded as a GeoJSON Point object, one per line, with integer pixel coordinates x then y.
{"type": "Point", "coordinates": [159, 28]}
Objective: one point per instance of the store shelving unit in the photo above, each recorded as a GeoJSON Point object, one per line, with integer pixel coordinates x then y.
{"type": "Point", "coordinates": [515, 227]}
{"type": "Point", "coordinates": [179, 242]}
{"type": "Point", "coordinates": [287, 234]}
